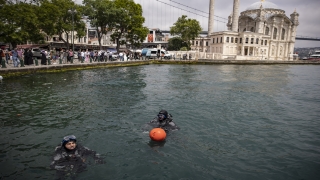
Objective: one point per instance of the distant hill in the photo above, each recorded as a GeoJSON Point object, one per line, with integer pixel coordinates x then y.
{"type": "Point", "coordinates": [305, 52]}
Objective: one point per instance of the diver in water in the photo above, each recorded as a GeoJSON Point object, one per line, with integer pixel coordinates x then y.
{"type": "Point", "coordinates": [70, 158]}
{"type": "Point", "coordinates": [164, 121]}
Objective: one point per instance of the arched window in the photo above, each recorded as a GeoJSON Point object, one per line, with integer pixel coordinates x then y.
{"type": "Point", "coordinates": [265, 42]}
{"type": "Point", "coordinates": [231, 39]}
{"type": "Point", "coordinates": [267, 31]}
{"type": "Point", "coordinates": [247, 39]}
{"type": "Point", "coordinates": [227, 39]}
{"type": "Point", "coordinates": [257, 41]}
{"type": "Point", "coordinates": [217, 40]}
{"type": "Point", "coordinates": [236, 40]}
{"type": "Point", "coordinates": [221, 40]}
{"type": "Point", "coordinates": [283, 33]}
{"type": "Point", "coordinates": [261, 42]}
{"type": "Point", "coordinates": [252, 29]}
{"type": "Point", "coordinates": [213, 41]}
{"type": "Point", "coordinates": [275, 31]}
{"type": "Point", "coordinates": [245, 29]}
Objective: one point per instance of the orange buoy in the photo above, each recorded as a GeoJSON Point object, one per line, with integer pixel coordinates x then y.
{"type": "Point", "coordinates": [157, 134]}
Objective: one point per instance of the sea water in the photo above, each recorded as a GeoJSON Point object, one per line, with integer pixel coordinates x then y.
{"type": "Point", "coordinates": [237, 121]}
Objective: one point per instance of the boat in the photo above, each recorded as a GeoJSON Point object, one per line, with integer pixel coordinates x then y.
{"type": "Point", "coordinates": [315, 56]}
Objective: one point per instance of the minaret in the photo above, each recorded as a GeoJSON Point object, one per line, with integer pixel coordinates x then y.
{"type": "Point", "coordinates": [235, 16]}
{"type": "Point", "coordinates": [211, 18]}
{"type": "Point", "coordinates": [295, 23]}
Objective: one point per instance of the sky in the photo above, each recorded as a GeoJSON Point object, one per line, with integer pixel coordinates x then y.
{"type": "Point", "coordinates": [163, 14]}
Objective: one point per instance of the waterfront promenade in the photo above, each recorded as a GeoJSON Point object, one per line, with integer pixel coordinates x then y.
{"type": "Point", "coordinates": [11, 71]}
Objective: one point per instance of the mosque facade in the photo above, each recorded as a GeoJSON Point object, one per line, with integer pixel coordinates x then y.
{"type": "Point", "coordinates": [261, 32]}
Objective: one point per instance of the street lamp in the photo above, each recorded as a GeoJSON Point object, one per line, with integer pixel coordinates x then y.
{"type": "Point", "coordinates": [72, 12]}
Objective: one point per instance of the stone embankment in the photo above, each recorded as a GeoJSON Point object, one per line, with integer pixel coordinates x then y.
{"type": "Point", "coordinates": [11, 71]}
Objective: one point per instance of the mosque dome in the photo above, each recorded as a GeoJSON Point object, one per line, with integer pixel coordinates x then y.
{"type": "Point", "coordinates": [265, 5]}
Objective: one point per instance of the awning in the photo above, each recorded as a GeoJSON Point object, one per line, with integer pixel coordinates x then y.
{"type": "Point", "coordinates": [24, 46]}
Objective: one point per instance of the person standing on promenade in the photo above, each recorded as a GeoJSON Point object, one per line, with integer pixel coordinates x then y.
{"type": "Point", "coordinates": [87, 53]}
{"type": "Point", "coordinates": [43, 57]}
{"type": "Point", "coordinates": [26, 59]}
{"type": "Point", "coordinates": [7, 53]}
{"type": "Point", "coordinates": [82, 56]}
{"type": "Point", "coordinates": [63, 56]}
{"type": "Point", "coordinates": [2, 55]}
{"type": "Point", "coordinates": [15, 59]}
{"type": "Point", "coordinates": [121, 56]}
{"type": "Point", "coordinates": [20, 56]}
{"type": "Point", "coordinates": [95, 56]}
{"type": "Point", "coordinates": [91, 55]}
{"type": "Point", "coordinates": [110, 56]}
{"type": "Point", "coordinates": [70, 55]}
{"type": "Point", "coordinates": [30, 56]}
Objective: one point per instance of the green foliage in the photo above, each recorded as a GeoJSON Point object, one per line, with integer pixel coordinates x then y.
{"type": "Point", "coordinates": [100, 13]}
{"type": "Point", "coordinates": [32, 20]}
{"type": "Point", "coordinates": [186, 29]}
{"type": "Point", "coordinates": [184, 49]}
{"type": "Point", "coordinates": [176, 43]}
{"type": "Point", "coordinates": [55, 17]}
{"type": "Point", "coordinates": [19, 23]}
{"type": "Point", "coordinates": [128, 24]}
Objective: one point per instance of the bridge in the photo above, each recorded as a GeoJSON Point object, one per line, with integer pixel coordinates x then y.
{"type": "Point", "coordinates": [164, 13]}
{"type": "Point", "coordinates": [298, 37]}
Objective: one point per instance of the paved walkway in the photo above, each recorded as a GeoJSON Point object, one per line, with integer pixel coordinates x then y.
{"type": "Point", "coordinates": [10, 65]}
{"type": "Point", "coordinates": [75, 61]}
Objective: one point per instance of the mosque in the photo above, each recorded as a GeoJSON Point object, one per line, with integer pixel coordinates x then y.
{"type": "Point", "coordinates": [261, 32]}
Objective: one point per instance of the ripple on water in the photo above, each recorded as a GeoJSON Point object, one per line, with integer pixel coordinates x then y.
{"type": "Point", "coordinates": [237, 122]}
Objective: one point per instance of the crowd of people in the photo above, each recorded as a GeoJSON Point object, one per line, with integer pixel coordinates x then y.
{"type": "Point", "coordinates": [66, 56]}
{"type": "Point", "coordinates": [17, 55]}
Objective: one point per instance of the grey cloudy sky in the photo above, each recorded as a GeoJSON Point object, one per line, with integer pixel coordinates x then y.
{"type": "Point", "coordinates": [163, 14]}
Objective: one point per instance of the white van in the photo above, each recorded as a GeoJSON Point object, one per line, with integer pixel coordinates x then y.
{"type": "Point", "coordinates": [152, 54]}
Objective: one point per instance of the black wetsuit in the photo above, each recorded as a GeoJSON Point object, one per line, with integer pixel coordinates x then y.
{"type": "Point", "coordinates": [166, 124]}
{"type": "Point", "coordinates": [69, 163]}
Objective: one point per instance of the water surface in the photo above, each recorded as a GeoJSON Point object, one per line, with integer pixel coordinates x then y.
{"type": "Point", "coordinates": [237, 121]}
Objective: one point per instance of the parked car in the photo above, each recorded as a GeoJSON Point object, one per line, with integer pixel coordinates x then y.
{"type": "Point", "coordinates": [36, 53]}
{"type": "Point", "coordinates": [152, 54]}
{"type": "Point", "coordinates": [115, 56]}
{"type": "Point", "coordinates": [144, 51]}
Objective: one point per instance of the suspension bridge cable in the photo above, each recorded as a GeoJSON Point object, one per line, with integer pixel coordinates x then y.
{"type": "Point", "coordinates": [188, 11]}
{"type": "Point", "coordinates": [197, 9]}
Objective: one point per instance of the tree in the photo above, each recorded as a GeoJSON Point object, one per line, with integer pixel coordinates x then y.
{"type": "Point", "coordinates": [128, 26]}
{"type": "Point", "coordinates": [56, 20]}
{"type": "Point", "coordinates": [176, 43]}
{"type": "Point", "coordinates": [101, 14]}
{"type": "Point", "coordinates": [186, 29]}
{"type": "Point", "coordinates": [19, 23]}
